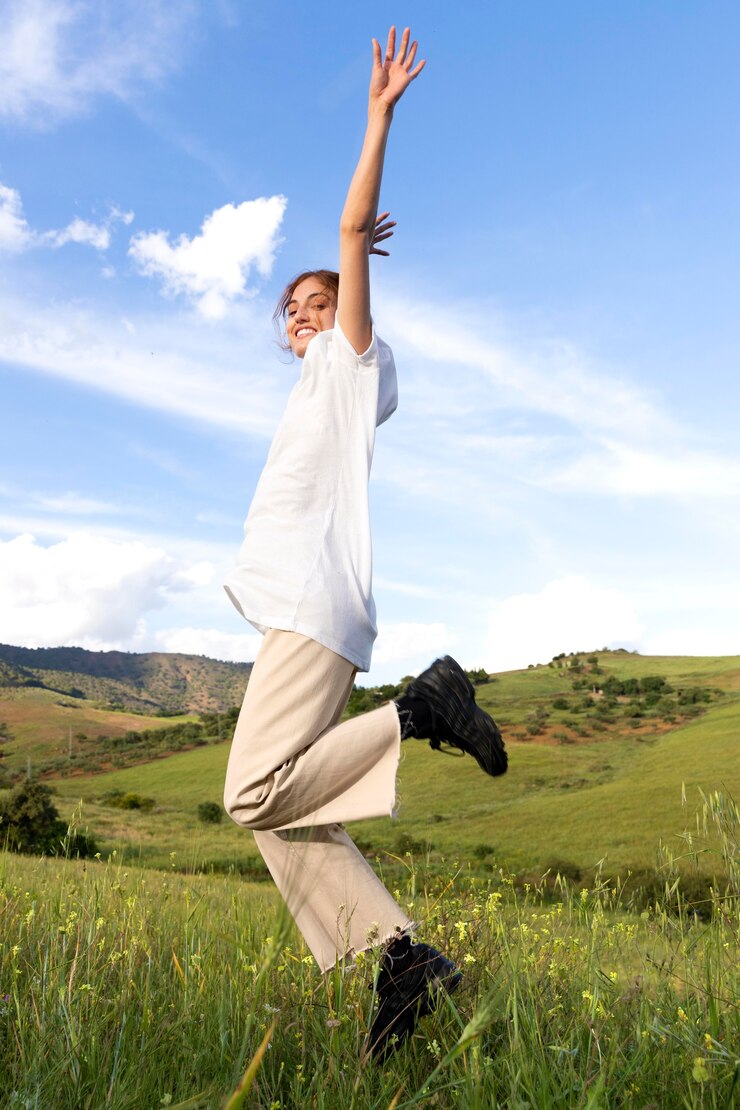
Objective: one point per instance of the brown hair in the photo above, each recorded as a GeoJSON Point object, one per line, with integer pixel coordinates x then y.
{"type": "Point", "coordinates": [328, 278]}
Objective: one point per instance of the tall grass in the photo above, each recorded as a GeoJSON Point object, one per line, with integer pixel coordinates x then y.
{"type": "Point", "coordinates": [138, 989]}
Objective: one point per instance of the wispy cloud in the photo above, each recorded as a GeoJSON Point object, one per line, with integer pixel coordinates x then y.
{"type": "Point", "coordinates": [625, 470]}
{"type": "Point", "coordinates": [542, 416]}
{"type": "Point", "coordinates": [17, 235]}
{"type": "Point", "coordinates": [213, 267]}
{"type": "Point", "coordinates": [553, 378]}
{"type": "Point", "coordinates": [73, 503]}
{"type": "Point", "coordinates": [56, 56]}
{"type": "Point", "coordinates": [176, 369]}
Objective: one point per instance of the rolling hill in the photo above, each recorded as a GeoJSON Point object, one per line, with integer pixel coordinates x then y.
{"type": "Point", "coordinates": [593, 775]}
{"type": "Point", "coordinates": [152, 683]}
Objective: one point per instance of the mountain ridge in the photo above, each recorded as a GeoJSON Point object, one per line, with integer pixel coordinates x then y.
{"type": "Point", "coordinates": [142, 682]}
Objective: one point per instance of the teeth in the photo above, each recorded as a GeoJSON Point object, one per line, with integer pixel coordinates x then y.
{"type": "Point", "coordinates": [303, 331]}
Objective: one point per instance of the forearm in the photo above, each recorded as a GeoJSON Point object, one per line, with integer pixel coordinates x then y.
{"type": "Point", "coordinates": [363, 195]}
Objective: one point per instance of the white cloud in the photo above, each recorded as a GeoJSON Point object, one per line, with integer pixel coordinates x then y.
{"type": "Point", "coordinates": [212, 268]}
{"type": "Point", "coordinates": [57, 55]}
{"type": "Point", "coordinates": [409, 643]}
{"type": "Point", "coordinates": [81, 231]}
{"type": "Point", "coordinates": [233, 647]}
{"type": "Point", "coordinates": [568, 614]}
{"type": "Point", "coordinates": [717, 637]}
{"type": "Point", "coordinates": [84, 590]}
{"type": "Point", "coordinates": [15, 234]}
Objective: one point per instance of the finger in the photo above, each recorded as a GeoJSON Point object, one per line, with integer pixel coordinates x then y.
{"type": "Point", "coordinates": [404, 45]}
{"type": "Point", "coordinates": [382, 216]}
{"type": "Point", "coordinates": [415, 72]}
{"type": "Point", "coordinates": [383, 231]}
{"type": "Point", "coordinates": [385, 254]}
{"type": "Point", "coordinates": [390, 49]}
{"type": "Point", "coordinates": [377, 57]}
{"type": "Point", "coordinates": [411, 54]}
{"type": "Point", "coordinates": [385, 226]}
{"type": "Point", "coordinates": [380, 238]}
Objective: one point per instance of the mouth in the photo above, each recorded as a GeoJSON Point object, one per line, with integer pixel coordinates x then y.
{"type": "Point", "coordinates": [302, 333]}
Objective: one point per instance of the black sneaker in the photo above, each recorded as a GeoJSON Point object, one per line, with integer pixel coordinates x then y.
{"type": "Point", "coordinates": [412, 978]}
{"type": "Point", "coordinates": [456, 719]}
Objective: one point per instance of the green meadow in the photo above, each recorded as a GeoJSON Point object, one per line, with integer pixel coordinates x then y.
{"type": "Point", "coordinates": [130, 988]}
{"type": "Point", "coordinates": [590, 896]}
{"type": "Point", "coordinates": [568, 801]}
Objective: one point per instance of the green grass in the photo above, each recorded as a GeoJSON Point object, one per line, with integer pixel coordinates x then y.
{"type": "Point", "coordinates": [608, 798]}
{"type": "Point", "coordinates": [134, 989]}
{"type": "Point", "coordinates": [40, 723]}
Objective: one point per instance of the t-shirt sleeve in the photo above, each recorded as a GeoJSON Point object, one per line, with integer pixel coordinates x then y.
{"type": "Point", "coordinates": [388, 384]}
{"type": "Point", "coordinates": [379, 358]}
{"type": "Point", "coordinates": [345, 351]}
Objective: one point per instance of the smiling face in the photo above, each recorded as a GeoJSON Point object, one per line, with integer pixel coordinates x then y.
{"type": "Point", "coordinates": [311, 309]}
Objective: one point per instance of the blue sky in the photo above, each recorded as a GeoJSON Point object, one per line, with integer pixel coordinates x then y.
{"type": "Point", "coordinates": [562, 298]}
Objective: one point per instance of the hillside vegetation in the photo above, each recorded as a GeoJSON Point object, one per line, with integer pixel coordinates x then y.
{"type": "Point", "coordinates": [589, 896]}
{"type": "Point", "coordinates": [610, 790]}
{"type": "Point", "coordinates": [151, 683]}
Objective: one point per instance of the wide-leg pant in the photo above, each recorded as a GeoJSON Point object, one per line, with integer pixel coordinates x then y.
{"type": "Point", "coordinates": [295, 773]}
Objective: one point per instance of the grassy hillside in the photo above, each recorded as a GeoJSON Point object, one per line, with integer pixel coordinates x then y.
{"type": "Point", "coordinates": [612, 793]}
{"type": "Point", "coordinates": [150, 683]}
{"type": "Point", "coordinates": [42, 725]}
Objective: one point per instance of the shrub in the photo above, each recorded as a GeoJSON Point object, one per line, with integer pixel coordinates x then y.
{"type": "Point", "coordinates": [405, 843]}
{"type": "Point", "coordinates": [478, 676]}
{"type": "Point", "coordinates": [561, 703]}
{"type": "Point", "coordinates": [210, 813]}
{"type": "Point", "coordinates": [31, 823]}
{"type": "Point", "coordinates": [120, 800]}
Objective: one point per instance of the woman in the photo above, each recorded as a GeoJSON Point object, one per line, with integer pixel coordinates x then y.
{"type": "Point", "coordinates": [303, 578]}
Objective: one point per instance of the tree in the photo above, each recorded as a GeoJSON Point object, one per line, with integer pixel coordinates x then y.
{"type": "Point", "coordinates": [30, 821]}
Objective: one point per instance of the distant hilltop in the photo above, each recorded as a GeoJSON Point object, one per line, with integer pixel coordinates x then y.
{"type": "Point", "coordinates": [151, 682]}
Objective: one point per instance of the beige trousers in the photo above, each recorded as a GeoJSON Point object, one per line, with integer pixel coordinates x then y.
{"type": "Point", "coordinates": [295, 773]}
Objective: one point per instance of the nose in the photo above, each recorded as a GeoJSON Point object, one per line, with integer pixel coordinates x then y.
{"type": "Point", "coordinates": [301, 313]}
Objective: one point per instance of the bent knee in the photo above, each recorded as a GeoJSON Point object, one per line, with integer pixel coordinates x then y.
{"type": "Point", "coordinates": [250, 809]}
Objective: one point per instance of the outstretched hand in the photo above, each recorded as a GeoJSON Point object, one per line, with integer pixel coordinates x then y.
{"type": "Point", "coordinates": [383, 230]}
{"type": "Point", "coordinates": [393, 74]}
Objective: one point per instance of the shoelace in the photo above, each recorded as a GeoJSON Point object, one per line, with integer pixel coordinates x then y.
{"type": "Point", "coordinates": [436, 745]}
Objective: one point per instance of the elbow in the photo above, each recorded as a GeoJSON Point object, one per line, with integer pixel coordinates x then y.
{"type": "Point", "coordinates": [354, 230]}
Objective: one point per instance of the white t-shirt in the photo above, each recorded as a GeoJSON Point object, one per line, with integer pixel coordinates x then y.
{"type": "Point", "coordinates": [306, 561]}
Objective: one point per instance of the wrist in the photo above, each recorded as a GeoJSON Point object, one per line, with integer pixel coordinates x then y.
{"type": "Point", "coordinates": [379, 109]}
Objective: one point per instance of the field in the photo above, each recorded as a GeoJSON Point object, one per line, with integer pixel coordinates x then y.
{"type": "Point", "coordinates": [45, 724]}
{"type": "Point", "coordinates": [590, 896]}
{"type": "Point", "coordinates": [131, 988]}
{"type": "Point", "coordinates": [609, 796]}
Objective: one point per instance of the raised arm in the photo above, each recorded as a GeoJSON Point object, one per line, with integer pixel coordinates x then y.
{"type": "Point", "coordinates": [391, 76]}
